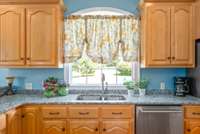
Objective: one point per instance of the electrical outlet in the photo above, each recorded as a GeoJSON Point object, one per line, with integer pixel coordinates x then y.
{"type": "Point", "coordinates": [28, 86]}
{"type": "Point", "coordinates": [162, 85]}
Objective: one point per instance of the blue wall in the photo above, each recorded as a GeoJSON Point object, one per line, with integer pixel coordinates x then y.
{"type": "Point", "coordinates": [36, 76]}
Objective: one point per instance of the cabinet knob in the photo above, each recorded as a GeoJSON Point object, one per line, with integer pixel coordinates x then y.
{"type": "Point", "coordinates": [104, 129]}
{"type": "Point", "coordinates": [173, 58]}
{"type": "Point", "coordinates": [96, 129]}
{"type": "Point", "coordinates": [28, 58]}
{"type": "Point", "coordinates": [22, 58]}
{"type": "Point", "coordinates": [23, 116]}
{"type": "Point", "coordinates": [63, 129]}
{"type": "Point", "coordinates": [188, 130]}
{"type": "Point", "coordinates": [169, 58]}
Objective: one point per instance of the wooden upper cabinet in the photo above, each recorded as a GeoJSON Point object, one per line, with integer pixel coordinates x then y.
{"type": "Point", "coordinates": [30, 1]}
{"type": "Point", "coordinates": [192, 126]}
{"type": "Point", "coordinates": [158, 35]}
{"type": "Point", "coordinates": [30, 122]}
{"type": "Point", "coordinates": [168, 35]}
{"type": "Point", "coordinates": [41, 36]}
{"type": "Point", "coordinates": [117, 127]}
{"type": "Point", "coordinates": [2, 124]}
{"type": "Point", "coordinates": [14, 124]}
{"type": "Point", "coordinates": [169, 0]}
{"type": "Point", "coordinates": [54, 127]}
{"type": "Point", "coordinates": [182, 44]}
{"type": "Point", "coordinates": [197, 19]}
{"type": "Point", "coordinates": [84, 126]}
{"type": "Point", "coordinates": [12, 36]}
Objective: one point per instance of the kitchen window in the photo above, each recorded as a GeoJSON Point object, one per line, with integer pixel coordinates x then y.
{"type": "Point", "coordinates": [85, 65]}
{"type": "Point", "coordinates": [84, 72]}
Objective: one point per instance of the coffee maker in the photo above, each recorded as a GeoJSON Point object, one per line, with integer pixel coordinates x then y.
{"type": "Point", "coordinates": [182, 86]}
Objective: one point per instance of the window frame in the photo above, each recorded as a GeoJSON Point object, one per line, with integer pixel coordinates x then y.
{"type": "Point", "coordinates": [135, 74]}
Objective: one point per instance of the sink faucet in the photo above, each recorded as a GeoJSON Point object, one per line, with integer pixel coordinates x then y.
{"type": "Point", "coordinates": [104, 85]}
{"type": "Point", "coordinates": [102, 82]}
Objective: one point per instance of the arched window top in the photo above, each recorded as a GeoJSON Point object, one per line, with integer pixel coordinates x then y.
{"type": "Point", "coordinates": [102, 11]}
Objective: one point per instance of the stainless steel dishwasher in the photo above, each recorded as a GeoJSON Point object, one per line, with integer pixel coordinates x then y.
{"type": "Point", "coordinates": [159, 120]}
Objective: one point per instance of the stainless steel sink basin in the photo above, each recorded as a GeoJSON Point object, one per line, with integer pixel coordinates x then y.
{"type": "Point", "coordinates": [89, 97]}
{"type": "Point", "coordinates": [114, 97]}
{"type": "Point", "coordinates": [101, 97]}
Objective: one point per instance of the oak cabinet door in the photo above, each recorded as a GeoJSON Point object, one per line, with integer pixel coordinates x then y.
{"type": "Point", "coordinates": [12, 37]}
{"type": "Point", "coordinates": [182, 36]}
{"type": "Point", "coordinates": [30, 123]}
{"type": "Point", "coordinates": [14, 122]}
{"type": "Point", "coordinates": [117, 127]}
{"type": "Point", "coordinates": [2, 124]}
{"type": "Point", "coordinates": [197, 19]}
{"type": "Point", "coordinates": [54, 127]}
{"type": "Point", "coordinates": [158, 35]}
{"type": "Point", "coordinates": [192, 127]}
{"type": "Point", "coordinates": [84, 126]}
{"type": "Point", "coordinates": [41, 36]}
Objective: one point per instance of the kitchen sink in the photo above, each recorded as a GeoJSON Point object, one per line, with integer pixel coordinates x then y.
{"type": "Point", "coordinates": [101, 97]}
{"type": "Point", "coordinates": [114, 97]}
{"type": "Point", "coordinates": [89, 97]}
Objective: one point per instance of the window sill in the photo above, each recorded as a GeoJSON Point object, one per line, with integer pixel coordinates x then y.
{"type": "Point", "coordinates": [96, 87]}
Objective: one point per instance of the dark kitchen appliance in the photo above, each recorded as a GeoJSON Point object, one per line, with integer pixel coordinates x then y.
{"type": "Point", "coordinates": [195, 72]}
{"type": "Point", "coordinates": [182, 85]}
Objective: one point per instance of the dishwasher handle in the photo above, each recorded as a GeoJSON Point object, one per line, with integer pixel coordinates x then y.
{"type": "Point", "coordinates": [159, 110]}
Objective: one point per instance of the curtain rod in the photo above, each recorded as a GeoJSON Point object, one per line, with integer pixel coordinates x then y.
{"type": "Point", "coordinates": [101, 17]}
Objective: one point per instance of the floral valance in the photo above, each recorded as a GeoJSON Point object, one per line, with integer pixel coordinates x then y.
{"type": "Point", "coordinates": [103, 38]}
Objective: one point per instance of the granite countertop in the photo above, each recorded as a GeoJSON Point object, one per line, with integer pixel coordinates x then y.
{"type": "Point", "coordinates": [9, 102]}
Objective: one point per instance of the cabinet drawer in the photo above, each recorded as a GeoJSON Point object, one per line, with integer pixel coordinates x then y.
{"type": "Point", "coordinates": [84, 112]}
{"type": "Point", "coordinates": [192, 112]}
{"type": "Point", "coordinates": [54, 112]}
{"type": "Point", "coordinates": [117, 111]}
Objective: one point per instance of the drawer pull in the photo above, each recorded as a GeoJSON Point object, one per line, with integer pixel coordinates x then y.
{"type": "Point", "coordinates": [194, 113]}
{"type": "Point", "coordinates": [87, 113]}
{"type": "Point", "coordinates": [120, 113]}
{"type": "Point", "coordinates": [56, 113]}
{"type": "Point", "coordinates": [63, 129]}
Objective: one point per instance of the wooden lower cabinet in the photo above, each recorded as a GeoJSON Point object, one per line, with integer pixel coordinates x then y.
{"type": "Point", "coordinates": [54, 127]}
{"type": "Point", "coordinates": [49, 119]}
{"type": "Point", "coordinates": [3, 124]}
{"type": "Point", "coordinates": [30, 121]}
{"type": "Point", "coordinates": [192, 126]}
{"type": "Point", "coordinates": [117, 127]}
{"type": "Point", "coordinates": [84, 126]}
{"type": "Point", "coordinates": [192, 119]}
{"type": "Point", "coordinates": [14, 122]}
